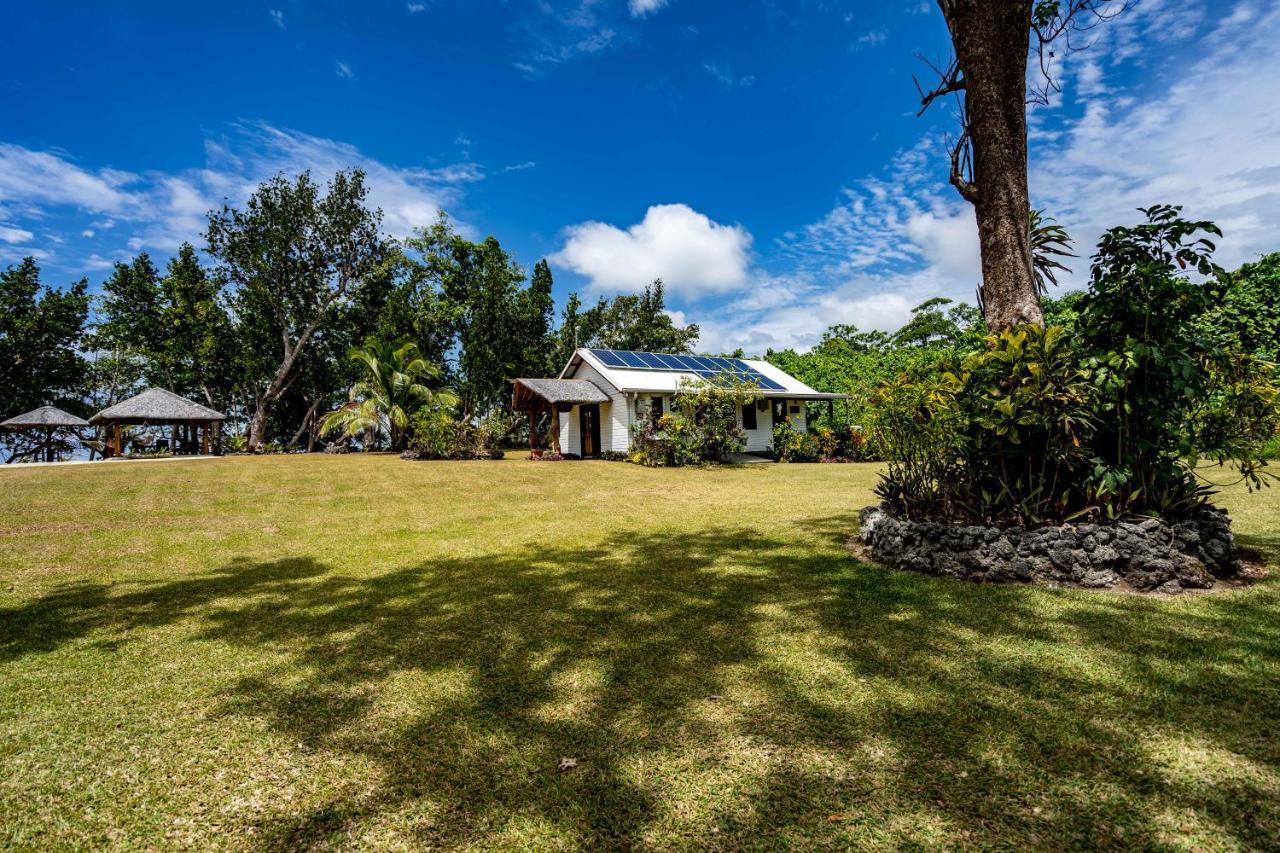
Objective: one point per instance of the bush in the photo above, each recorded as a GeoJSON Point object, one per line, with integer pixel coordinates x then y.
{"type": "Point", "coordinates": [662, 441]}
{"type": "Point", "coordinates": [235, 443]}
{"type": "Point", "coordinates": [547, 456]}
{"type": "Point", "coordinates": [437, 434]}
{"type": "Point", "coordinates": [792, 446]}
{"type": "Point", "coordinates": [612, 456]}
{"type": "Point", "coordinates": [337, 448]}
{"type": "Point", "coordinates": [1036, 428]}
{"type": "Point", "coordinates": [842, 443]}
{"type": "Point", "coordinates": [702, 426]}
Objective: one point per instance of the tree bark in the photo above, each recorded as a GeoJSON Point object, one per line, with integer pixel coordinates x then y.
{"type": "Point", "coordinates": [991, 40]}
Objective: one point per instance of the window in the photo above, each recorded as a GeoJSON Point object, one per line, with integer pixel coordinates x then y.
{"type": "Point", "coordinates": [748, 416]}
{"type": "Point", "coordinates": [656, 404]}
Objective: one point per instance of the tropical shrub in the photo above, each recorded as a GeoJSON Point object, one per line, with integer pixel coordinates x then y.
{"type": "Point", "coordinates": [1038, 427]}
{"type": "Point", "coordinates": [235, 443]}
{"type": "Point", "coordinates": [662, 441]}
{"type": "Point", "coordinates": [841, 443]}
{"type": "Point", "coordinates": [381, 402]}
{"type": "Point", "coordinates": [701, 427]}
{"type": "Point", "coordinates": [792, 446]}
{"type": "Point", "coordinates": [439, 434]}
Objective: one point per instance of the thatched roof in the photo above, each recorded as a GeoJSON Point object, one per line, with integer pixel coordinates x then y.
{"type": "Point", "coordinates": [556, 391]}
{"type": "Point", "coordinates": [156, 405]}
{"type": "Point", "coordinates": [47, 417]}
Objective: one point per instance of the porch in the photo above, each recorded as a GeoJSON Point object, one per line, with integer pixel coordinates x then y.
{"type": "Point", "coordinates": [556, 397]}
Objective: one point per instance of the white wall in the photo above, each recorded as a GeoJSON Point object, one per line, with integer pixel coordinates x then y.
{"type": "Point", "coordinates": [615, 417]}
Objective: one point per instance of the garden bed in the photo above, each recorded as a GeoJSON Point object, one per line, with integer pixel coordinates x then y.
{"type": "Point", "coordinates": [1147, 556]}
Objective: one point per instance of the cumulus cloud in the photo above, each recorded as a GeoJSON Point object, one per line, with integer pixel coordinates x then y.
{"type": "Point", "coordinates": [343, 70]}
{"type": "Point", "coordinates": [692, 254]}
{"type": "Point", "coordinates": [277, 17]}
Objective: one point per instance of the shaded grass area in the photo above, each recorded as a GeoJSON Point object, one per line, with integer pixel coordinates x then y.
{"type": "Point", "coordinates": [286, 653]}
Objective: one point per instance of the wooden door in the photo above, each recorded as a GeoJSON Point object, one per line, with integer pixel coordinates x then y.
{"type": "Point", "coordinates": [589, 429]}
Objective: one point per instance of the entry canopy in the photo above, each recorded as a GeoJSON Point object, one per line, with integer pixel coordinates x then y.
{"type": "Point", "coordinates": [537, 393]}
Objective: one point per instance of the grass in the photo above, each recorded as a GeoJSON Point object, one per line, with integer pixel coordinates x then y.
{"type": "Point", "coordinates": [362, 652]}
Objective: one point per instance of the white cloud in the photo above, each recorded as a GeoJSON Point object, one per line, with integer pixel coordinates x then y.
{"type": "Point", "coordinates": [1207, 141]}
{"type": "Point", "coordinates": [415, 8]}
{"type": "Point", "coordinates": [692, 254]}
{"type": "Point", "coordinates": [161, 210]}
{"type": "Point", "coordinates": [277, 17]}
{"type": "Point", "coordinates": [640, 8]}
{"type": "Point", "coordinates": [343, 70]}
{"type": "Point", "coordinates": [44, 177]}
{"type": "Point", "coordinates": [15, 235]}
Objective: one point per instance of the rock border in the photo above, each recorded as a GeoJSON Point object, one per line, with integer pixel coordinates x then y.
{"type": "Point", "coordinates": [1147, 556]}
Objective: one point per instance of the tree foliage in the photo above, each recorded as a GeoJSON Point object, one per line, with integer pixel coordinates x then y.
{"type": "Point", "coordinates": [1108, 416]}
{"type": "Point", "coordinates": [40, 333]}
{"type": "Point", "coordinates": [637, 321]}
{"type": "Point", "coordinates": [295, 254]}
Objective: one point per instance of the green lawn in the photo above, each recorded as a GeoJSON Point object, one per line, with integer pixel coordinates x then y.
{"type": "Point", "coordinates": [348, 651]}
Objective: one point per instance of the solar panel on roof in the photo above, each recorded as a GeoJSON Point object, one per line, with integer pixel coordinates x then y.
{"type": "Point", "coordinates": [703, 366]}
{"type": "Point", "coordinates": [609, 357]}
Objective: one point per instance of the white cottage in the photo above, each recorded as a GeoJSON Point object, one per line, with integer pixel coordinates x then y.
{"type": "Point", "coordinates": [602, 394]}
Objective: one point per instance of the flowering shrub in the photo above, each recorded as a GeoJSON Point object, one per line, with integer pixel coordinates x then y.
{"type": "Point", "coordinates": [792, 446]}
{"type": "Point", "coordinates": [842, 443]}
{"type": "Point", "coordinates": [702, 426]}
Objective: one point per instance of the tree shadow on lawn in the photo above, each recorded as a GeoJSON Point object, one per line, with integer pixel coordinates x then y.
{"type": "Point", "coordinates": [771, 685]}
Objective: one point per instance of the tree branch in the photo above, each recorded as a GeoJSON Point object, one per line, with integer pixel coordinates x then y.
{"type": "Point", "coordinates": [949, 82]}
{"type": "Point", "coordinates": [961, 163]}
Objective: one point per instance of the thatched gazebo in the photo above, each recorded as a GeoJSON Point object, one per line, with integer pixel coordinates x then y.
{"type": "Point", "coordinates": [49, 419]}
{"type": "Point", "coordinates": [190, 424]}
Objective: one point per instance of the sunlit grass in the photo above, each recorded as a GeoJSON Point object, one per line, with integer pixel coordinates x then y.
{"type": "Point", "coordinates": [359, 651]}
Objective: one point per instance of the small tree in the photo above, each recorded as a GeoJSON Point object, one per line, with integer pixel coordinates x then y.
{"type": "Point", "coordinates": [393, 387]}
{"type": "Point", "coordinates": [295, 255]}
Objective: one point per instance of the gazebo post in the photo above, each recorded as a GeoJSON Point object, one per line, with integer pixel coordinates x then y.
{"type": "Point", "coordinates": [555, 429]}
{"type": "Point", "coordinates": [204, 440]}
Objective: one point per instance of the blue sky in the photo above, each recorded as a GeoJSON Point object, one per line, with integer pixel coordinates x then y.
{"type": "Point", "coordinates": [764, 158]}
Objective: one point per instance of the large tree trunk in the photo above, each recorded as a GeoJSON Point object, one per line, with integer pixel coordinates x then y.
{"type": "Point", "coordinates": [991, 39]}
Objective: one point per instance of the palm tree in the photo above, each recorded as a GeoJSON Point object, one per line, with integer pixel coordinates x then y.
{"type": "Point", "coordinates": [391, 389]}
{"type": "Point", "coordinates": [1048, 239]}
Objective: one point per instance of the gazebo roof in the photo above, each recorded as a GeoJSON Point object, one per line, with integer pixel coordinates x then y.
{"type": "Point", "coordinates": [557, 392]}
{"type": "Point", "coordinates": [156, 405]}
{"type": "Point", "coordinates": [46, 417]}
